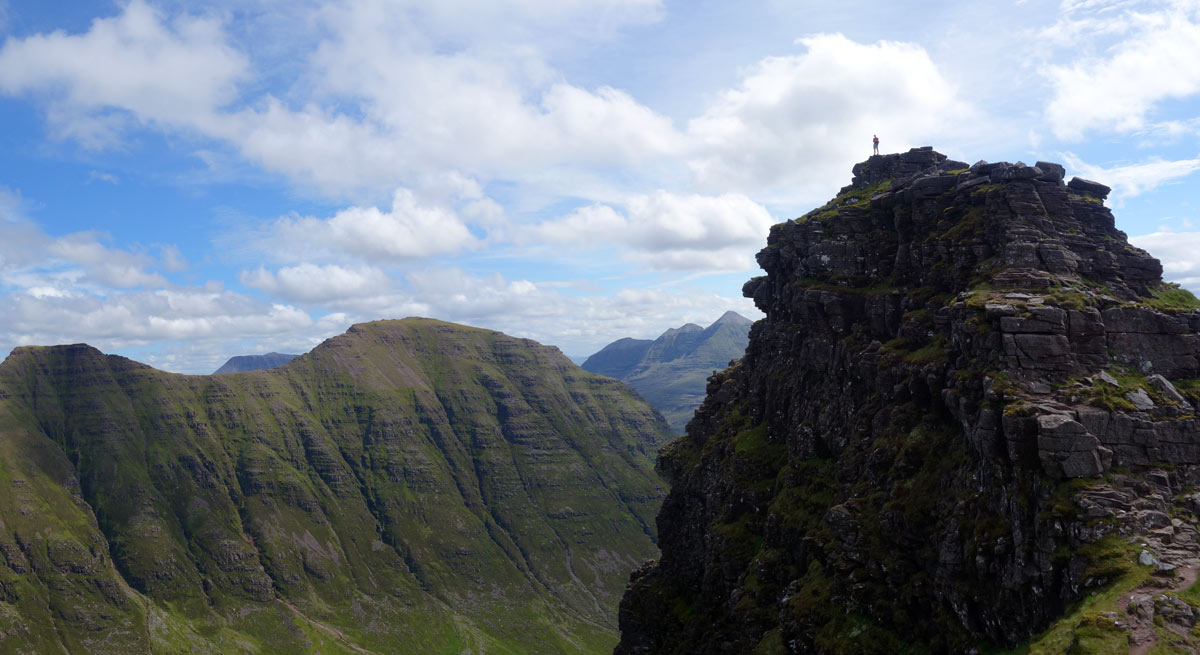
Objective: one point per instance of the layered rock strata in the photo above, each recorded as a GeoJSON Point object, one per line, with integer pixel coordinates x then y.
{"type": "Point", "coordinates": [408, 487]}
{"type": "Point", "coordinates": [951, 355]}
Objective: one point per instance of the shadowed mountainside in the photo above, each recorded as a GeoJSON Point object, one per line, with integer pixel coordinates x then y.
{"type": "Point", "coordinates": [969, 421]}
{"type": "Point", "coordinates": [409, 486]}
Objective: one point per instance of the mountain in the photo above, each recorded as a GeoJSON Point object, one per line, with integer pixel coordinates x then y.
{"type": "Point", "coordinates": [409, 486]}
{"type": "Point", "coordinates": [243, 363]}
{"type": "Point", "coordinates": [670, 372]}
{"type": "Point", "coordinates": [967, 423]}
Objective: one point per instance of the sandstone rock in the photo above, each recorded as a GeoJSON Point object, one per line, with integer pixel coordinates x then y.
{"type": "Point", "coordinates": [1051, 172]}
{"type": "Point", "coordinates": [1089, 187]}
{"type": "Point", "coordinates": [1140, 399]}
{"type": "Point", "coordinates": [1146, 559]}
{"type": "Point", "coordinates": [1165, 387]}
{"type": "Point", "coordinates": [966, 320]}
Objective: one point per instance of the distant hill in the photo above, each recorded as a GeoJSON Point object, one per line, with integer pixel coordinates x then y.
{"type": "Point", "coordinates": [243, 363]}
{"type": "Point", "coordinates": [670, 372]}
{"type": "Point", "coordinates": [409, 486]}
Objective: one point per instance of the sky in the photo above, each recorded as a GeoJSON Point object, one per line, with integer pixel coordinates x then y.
{"type": "Point", "coordinates": [181, 182]}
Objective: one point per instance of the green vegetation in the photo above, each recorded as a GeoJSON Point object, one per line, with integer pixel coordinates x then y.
{"type": "Point", "coordinates": [406, 487]}
{"type": "Point", "coordinates": [1085, 628]}
{"type": "Point", "coordinates": [859, 199]}
{"type": "Point", "coordinates": [932, 353]}
{"type": "Point", "coordinates": [1112, 398]}
{"type": "Point", "coordinates": [875, 287]}
{"type": "Point", "coordinates": [1170, 297]}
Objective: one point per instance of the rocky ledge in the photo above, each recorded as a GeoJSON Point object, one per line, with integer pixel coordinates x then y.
{"type": "Point", "coordinates": [954, 360]}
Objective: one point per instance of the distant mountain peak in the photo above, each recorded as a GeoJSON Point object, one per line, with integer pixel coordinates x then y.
{"type": "Point", "coordinates": [671, 371]}
{"type": "Point", "coordinates": [732, 318]}
{"type": "Point", "coordinates": [243, 363]}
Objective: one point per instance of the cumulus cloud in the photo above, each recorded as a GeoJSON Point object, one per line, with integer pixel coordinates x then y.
{"type": "Point", "coordinates": [1134, 179]}
{"type": "Point", "coordinates": [1179, 253]}
{"type": "Point", "coordinates": [409, 230]}
{"type": "Point", "coordinates": [127, 318]}
{"type": "Point", "coordinates": [1120, 89]}
{"type": "Point", "coordinates": [310, 283]}
{"type": "Point", "coordinates": [579, 324]}
{"type": "Point", "coordinates": [800, 121]}
{"type": "Point", "coordinates": [666, 231]}
{"type": "Point", "coordinates": [176, 75]}
{"type": "Point", "coordinates": [390, 91]}
{"type": "Point", "coordinates": [11, 204]}
{"type": "Point", "coordinates": [78, 259]}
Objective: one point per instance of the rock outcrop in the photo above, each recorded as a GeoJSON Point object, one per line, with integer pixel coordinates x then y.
{"type": "Point", "coordinates": [954, 359]}
{"type": "Point", "coordinates": [408, 487]}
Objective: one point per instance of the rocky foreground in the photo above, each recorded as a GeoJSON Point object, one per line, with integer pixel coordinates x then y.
{"type": "Point", "coordinates": [968, 422]}
{"type": "Point", "coordinates": [408, 487]}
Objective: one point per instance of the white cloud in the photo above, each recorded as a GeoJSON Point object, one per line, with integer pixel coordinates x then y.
{"type": "Point", "coordinates": [391, 90]}
{"type": "Point", "coordinates": [130, 318]}
{"type": "Point", "coordinates": [107, 266]}
{"type": "Point", "coordinates": [78, 259]}
{"type": "Point", "coordinates": [310, 283]}
{"type": "Point", "coordinates": [801, 121]}
{"type": "Point", "coordinates": [11, 205]}
{"type": "Point", "coordinates": [1134, 179]}
{"type": "Point", "coordinates": [1121, 88]}
{"type": "Point", "coordinates": [578, 324]}
{"type": "Point", "coordinates": [177, 75]}
{"type": "Point", "coordinates": [410, 230]}
{"type": "Point", "coordinates": [103, 177]}
{"type": "Point", "coordinates": [1179, 253]}
{"type": "Point", "coordinates": [173, 259]}
{"type": "Point", "coordinates": [666, 231]}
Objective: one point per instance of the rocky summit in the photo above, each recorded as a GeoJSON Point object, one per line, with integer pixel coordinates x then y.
{"type": "Point", "coordinates": [408, 487]}
{"type": "Point", "coordinates": [967, 424]}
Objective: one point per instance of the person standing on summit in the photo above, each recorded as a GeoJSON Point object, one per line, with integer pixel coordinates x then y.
{"type": "Point", "coordinates": [875, 143]}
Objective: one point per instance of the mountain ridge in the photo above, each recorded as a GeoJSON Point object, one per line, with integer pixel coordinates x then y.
{"type": "Point", "coordinates": [968, 421]}
{"type": "Point", "coordinates": [408, 482]}
{"type": "Point", "coordinates": [670, 371]}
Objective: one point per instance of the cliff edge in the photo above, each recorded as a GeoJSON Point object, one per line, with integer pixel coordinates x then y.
{"type": "Point", "coordinates": [971, 404]}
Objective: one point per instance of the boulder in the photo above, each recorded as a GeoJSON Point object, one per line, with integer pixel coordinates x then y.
{"type": "Point", "coordinates": [1089, 187]}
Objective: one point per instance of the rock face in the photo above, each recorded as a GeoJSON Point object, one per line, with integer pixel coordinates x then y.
{"type": "Point", "coordinates": [243, 363]}
{"type": "Point", "coordinates": [409, 486]}
{"type": "Point", "coordinates": [671, 371]}
{"type": "Point", "coordinates": [951, 354]}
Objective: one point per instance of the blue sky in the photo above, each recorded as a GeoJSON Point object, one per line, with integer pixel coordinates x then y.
{"type": "Point", "coordinates": [183, 182]}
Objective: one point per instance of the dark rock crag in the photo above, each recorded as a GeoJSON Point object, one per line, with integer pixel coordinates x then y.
{"type": "Point", "coordinates": [968, 394]}
{"type": "Point", "coordinates": [409, 486]}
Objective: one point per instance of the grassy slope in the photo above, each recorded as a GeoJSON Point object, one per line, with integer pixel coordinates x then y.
{"type": "Point", "coordinates": [417, 486]}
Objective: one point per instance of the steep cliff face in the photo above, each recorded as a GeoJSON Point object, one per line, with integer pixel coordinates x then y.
{"type": "Point", "coordinates": [670, 371]}
{"type": "Point", "coordinates": [968, 393]}
{"type": "Point", "coordinates": [410, 486]}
